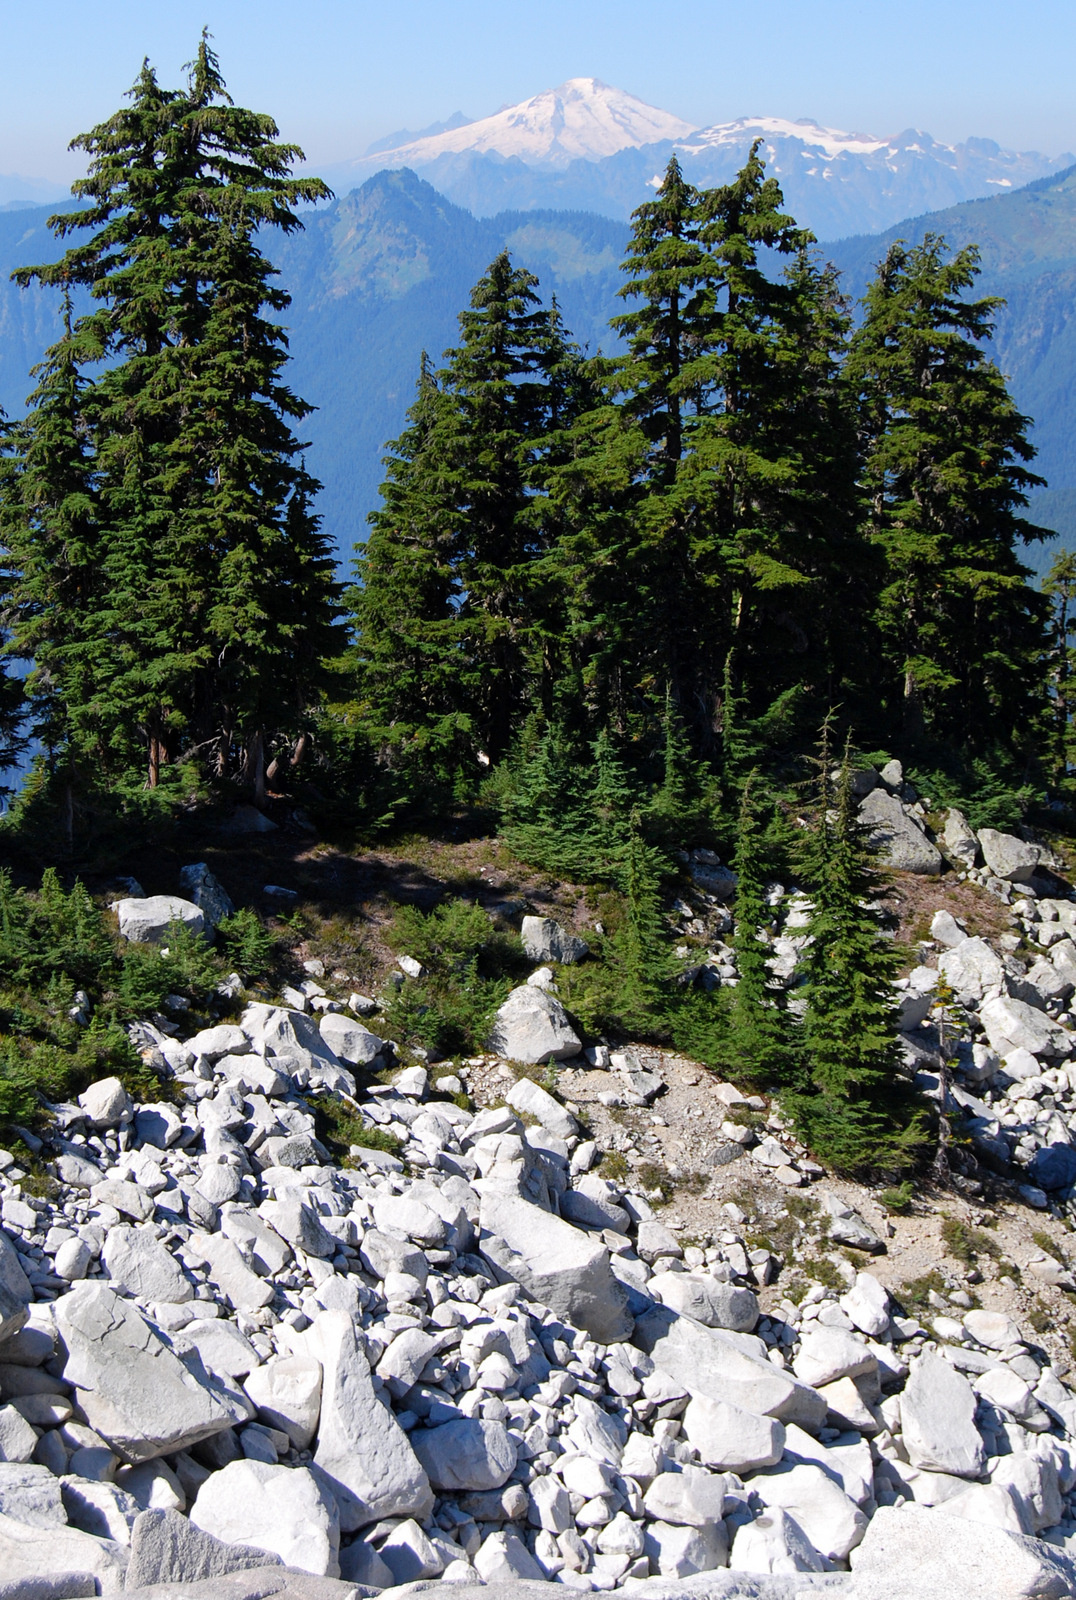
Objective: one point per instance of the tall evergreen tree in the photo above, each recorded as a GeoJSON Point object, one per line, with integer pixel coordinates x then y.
{"type": "Point", "coordinates": [946, 475]}
{"type": "Point", "coordinates": [407, 608]}
{"type": "Point", "coordinates": [215, 596]}
{"type": "Point", "coordinates": [1059, 586]}
{"type": "Point", "coordinates": [714, 493]}
{"type": "Point", "coordinates": [851, 1105]}
{"type": "Point", "coordinates": [454, 555]}
{"type": "Point", "coordinates": [758, 1040]}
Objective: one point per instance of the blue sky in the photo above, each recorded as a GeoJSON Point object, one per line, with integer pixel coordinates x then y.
{"type": "Point", "coordinates": [338, 73]}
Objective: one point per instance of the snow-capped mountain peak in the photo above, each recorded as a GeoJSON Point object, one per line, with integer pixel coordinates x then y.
{"type": "Point", "coordinates": [830, 141]}
{"type": "Point", "coordinates": [582, 119]}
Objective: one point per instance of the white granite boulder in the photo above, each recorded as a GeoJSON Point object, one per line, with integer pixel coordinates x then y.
{"type": "Point", "coordinates": [545, 940]}
{"type": "Point", "coordinates": [148, 921]}
{"type": "Point", "coordinates": [1007, 857]}
{"type": "Point", "coordinates": [361, 1448]}
{"type": "Point", "coordinates": [286, 1511]}
{"type": "Point", "coordinates": [559, 1266]}
{"type": "Point", "coordinates": [533, 1026]}
{"type": "Point", "coordinates": [133, 1389]}
{"type": "Point", "coordinates": [937, 1409]}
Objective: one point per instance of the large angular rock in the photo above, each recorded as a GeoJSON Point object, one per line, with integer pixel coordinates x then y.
{"type": "Point", "coordinates": [13, 1312]}
{"type": "Point", "coordinates": [134, 1390]}
{"type": "Point", "coordinates": [242, 1288]}
{"type": "Point", "coordinates": [530, 1098]}
{"type": "Point", "coordinates": [833, 1523]}
{"type": "Point", "coordinates": [937, 1409]}
{"type": "Point", "coordinates": [959, 838]}
{"type": "Point", "coordinates": [466, 1455]}
{"type": "Point", "coordinates": [972, 969]}
{"type": "Point", "coordinates": [730, 1439]}
{"type": "Point", "coordinates": [361, 1448]}
{"type": "Point", "coordinates": [774, 1542]}
{"type": "Point", "coordinates": [222, 1347]}
{"type": "Point", "coordinates": [286, 1511]}
{"type": "Point", "coordinates": [349, 1039]}
{"type": "Point", "coordinates": [147, 921]}
{"type": "Point", "coordinates": [296, 1221]}
{"type": "Point", "coordinates": [12, 1277]}
{"type": "Point", "coordinates": [679, 1552]}
{"type": "Point", "coordinates": [207, 893]}
{"type": "Point", "coordinates": [28, 1553]}
{"type": "Point", "coordinates": [533, 1026]}
{"type": "Point", "coordinates": [139, 1265]}
{"type": "Point", "coordinates": [167, 1547]}
{"type": "Point", "coordinates": [946, 930]}
{"type": "Point", "coordinates": [715, 1305]}
{"type": "Point", "coordinates": [826, 1354]}
{"type": "Point", "coordinates": [287, 1393]}
{"type": "Point", "coordinates": [1008, 857]}
{"type": "Point", "coordinates": [690, 1498]}
{"type": "Point", "coordinates": [30, 1494]}
{"type": "Point", "coordinates": [545, 940]}
{"type": "Point", "coordinates": [1014, 1025]}
{"type": "Point", "coordinates": [558, 1266]}
{"type": "Point", "coordinates": [914, 1552]}
{"type": "Point", "coordinates": [17, 1438]}
{"type": "Point", "coordinates": [848, 1227]}
{"type": "Point", "coordinates": [897, 836]}
{"type": "Point", "coordinates": [711, 1363]}
{"type": "Point", "coordinates": [106, 1103]}
{"type": "Point", "coordinates": [261, 1247]}
{"type": "Point", "coordinates": [866, 1305]}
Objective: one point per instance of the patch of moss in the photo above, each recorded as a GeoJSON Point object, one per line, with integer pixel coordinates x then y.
{"type": "Point", "coordinates": [823, 1271]}
{"type": "Point", "coordinates": [614, 1166]}
{"type": "Point", "coordinates": [914, 1295]}
{"type": "Point", "coordinates": [965, 1243]}
{"type": "Point", "coordinates": [652, 1177]}
{"type": "Point", "coordinates": [898, 1201]}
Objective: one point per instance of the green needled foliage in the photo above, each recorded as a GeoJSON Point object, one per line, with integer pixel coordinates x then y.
{"type": "Point", "coordinates": [852, 1103]}
{"type": "Point", "coordinates": [1059, 586]}
{"type": "Point", "coordinates": [710, 500]}
{"type": "Point", "coordinates": [457, 627]}
{"type": "Point", "coordinates": [758, 1043]}
{"type": "Point", "coordinates": [172, 585]}
{"type": "Point", "coordinates": [946, 459]}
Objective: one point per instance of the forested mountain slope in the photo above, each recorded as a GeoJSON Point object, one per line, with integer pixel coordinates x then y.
{"type": "Point", "coordinates": [381, 274]}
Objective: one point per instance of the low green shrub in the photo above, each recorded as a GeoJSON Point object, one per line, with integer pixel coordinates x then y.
{"type": "Point", "coordinates": [470, 966]}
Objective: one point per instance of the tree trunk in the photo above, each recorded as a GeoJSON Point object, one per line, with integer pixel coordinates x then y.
{"type": "Point", "coordinates": [69, 814]}
{"type": "Point", "coordinates": [256, 766]}
{"type": "Point", "coordinates": [914, 721]}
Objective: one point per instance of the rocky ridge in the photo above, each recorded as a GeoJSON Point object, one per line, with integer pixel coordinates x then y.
{"type": "Point", "coordinates": [230, 1364]}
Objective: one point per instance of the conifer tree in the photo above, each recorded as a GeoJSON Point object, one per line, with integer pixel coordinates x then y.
{"type": "Point", "coordinates": [947, 473]}
{"type": "Point", "coordinates": [638, 952]}
{"type": "Point", "coordinates": [758, 1040]}
{"type": "Point", "coordinates": [851, 1105]}
{"type": "Point", "coordinates": [215, 595]}
{"type": "Point", "coordinates": [412, 665]}
{"type": "Point", "coordinates": [454, 555]}
{"type": "Point", "coordinates": [1059, 586]}
{"type": "Point", "coordinates": [713, 494]}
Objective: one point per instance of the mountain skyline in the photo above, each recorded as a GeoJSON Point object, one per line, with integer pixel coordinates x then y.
{"type": "Point", "coordinates": [381, 274]}
{"type": "Point", "coordinates": [588, 145]}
